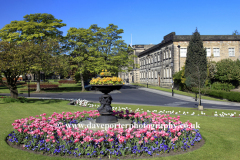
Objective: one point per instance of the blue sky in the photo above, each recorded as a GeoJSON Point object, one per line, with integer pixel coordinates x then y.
{"type": "Point", "coordinates": [147, 20]}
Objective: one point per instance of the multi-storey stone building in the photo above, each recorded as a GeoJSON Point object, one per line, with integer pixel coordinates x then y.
{"type": "Point", "coordinates": [133, 75]}
{"type": "Point", "coordinates": [159, 62]}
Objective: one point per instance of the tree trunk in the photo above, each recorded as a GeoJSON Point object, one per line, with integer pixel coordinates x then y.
{"type": "Point", "coordinates": [32, 77]}
{"type": "Point", "coordinates": [38, 82]}
{"type": "Point", "coordinates": [82, 81]}
{"type": "Point", "coordinates": [13, 92]}
{"type": "Point", "coordinates": [199, 96]}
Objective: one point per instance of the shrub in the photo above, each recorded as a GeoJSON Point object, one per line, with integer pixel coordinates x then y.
{"type": "Point", "coordinates": [222, 86]}
{"type": "Point", "coordinates": [231, 96]}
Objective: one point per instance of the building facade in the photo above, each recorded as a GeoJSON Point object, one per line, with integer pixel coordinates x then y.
{"type": "Point", "coordinates": [160, 62]}
{"type": "Point", "coordinates": [133, 75]}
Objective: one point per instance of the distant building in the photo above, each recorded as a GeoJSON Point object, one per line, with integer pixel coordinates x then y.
{"type": "Point", "coordinates": [159, 62]}
{"type": "Point", "coordinates": [133, 75]}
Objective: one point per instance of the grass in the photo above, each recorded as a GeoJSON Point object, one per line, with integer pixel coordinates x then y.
{"type": "Point", "coordinates": [62, 88]}
{"type": "Point", "coordinates": [179, 92]}
{"type": "Point", "coordinates": [221, 134]}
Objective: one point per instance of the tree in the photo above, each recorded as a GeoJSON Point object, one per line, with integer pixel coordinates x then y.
{"type": "Point", "coordinates": [196, 63]}
{"type": "Point", "coordinates": [37, 28]}
{"type": "Point", "coordinates": [228, 71]}
{"type": "Point", "coordinates": [235, 32]}
{"type": "Point", "coordinates": [96, 48]}
{"type": "Point", "coordinates": [113, 49]}
{"type": "Point", "coordinates": [84, 55]}
{"type": "Point", "coordinates": [13, 63]}
{"type": "Point", "coordinates": [180, 79]}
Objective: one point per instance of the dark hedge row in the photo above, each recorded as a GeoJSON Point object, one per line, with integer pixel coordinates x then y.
{"type": "Point", "coordinates": [231, 96]}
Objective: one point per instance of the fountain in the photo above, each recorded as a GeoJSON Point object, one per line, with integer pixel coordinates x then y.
{"type": "Point", "coordinates": [107, 119]}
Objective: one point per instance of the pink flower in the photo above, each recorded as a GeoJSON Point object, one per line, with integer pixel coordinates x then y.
{"type": "Point", "coordinates": [179, 134]}
{"type": "Point", "coordinates": [20, 130]}
{"type": "Point", "coordinates": [145, 139]}
{"type": "Point", "coordinates": [76, 140]}
{"type": "Point", "coordinates": [47, 140]}
{"type": "Point", "coordinates": [138, 135]}
{"type": "Point", "coordinates": [152, 138]}
{"type": "Point", "coordinates": [110, 139]}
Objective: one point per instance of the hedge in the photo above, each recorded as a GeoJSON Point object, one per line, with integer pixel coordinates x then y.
{"type": "Point", "coordinates": [42, 86]}
{"type": "Point", "coordinates": [231, 96]}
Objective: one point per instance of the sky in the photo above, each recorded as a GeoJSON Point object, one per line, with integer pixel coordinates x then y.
{"type": "Point", "coordinates": [148, 21]}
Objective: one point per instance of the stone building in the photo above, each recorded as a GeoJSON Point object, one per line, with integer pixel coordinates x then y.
{"type": "Point", "coordinates": [160, 62]}
{"type": "Point", "coordinates": [133, 75]}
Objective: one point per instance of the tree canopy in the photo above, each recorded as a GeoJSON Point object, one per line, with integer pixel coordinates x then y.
{"type": "Point", "coordinates": [97, 48]}
{"type": "Point", "coordinates": [41, 29]}
{"type": "Point", "coordinates": [41, 32]}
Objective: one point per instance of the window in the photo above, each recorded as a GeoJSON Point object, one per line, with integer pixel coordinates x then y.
{"type": "Point", "coordinates": [231, 52]}
{"type": "Point", "coordinates": [170, 72]}
{"type": "Point", "coordinates": [152, 74]}
{"type": "Point", "coordinates": [164, 73]}
{"type": "Point", "coordinates": [155, 74]}
{"type": "Point", "coordinates": [166, 54]}
{"type": "Point", "coordinates": [158, 58]}
{"type": "Point", "coordinates": [216, 52]}
{"type": "Point", "coordinates": [170, 54]}
{"type": "Point", "coordinates": [208, 52]}
{"type": "Point", "coordinates": [183, 52]}
{"type": "Point", "coordinates": [167, 72]}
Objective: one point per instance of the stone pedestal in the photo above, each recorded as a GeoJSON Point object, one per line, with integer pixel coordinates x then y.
{"type": "Point", "coordinates": [200, 108]}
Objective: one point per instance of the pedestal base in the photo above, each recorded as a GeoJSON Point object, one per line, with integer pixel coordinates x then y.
{"type": "Point", "coordinates": [106, 119]}
{"type": "Point", "coordinates": [200, 108]}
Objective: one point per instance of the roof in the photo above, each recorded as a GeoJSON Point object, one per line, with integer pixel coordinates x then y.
{"type": "Point", "coordinates": [172, 37]}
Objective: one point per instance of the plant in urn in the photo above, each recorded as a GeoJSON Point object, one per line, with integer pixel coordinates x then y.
{"type": "Point", "coordinates": [106, 85]}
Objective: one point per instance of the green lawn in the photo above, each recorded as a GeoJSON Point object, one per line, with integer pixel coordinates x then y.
{"type": "Point", "coordinates": [179, 92]}
{"type": "Point", "coordinates": [221, 134]}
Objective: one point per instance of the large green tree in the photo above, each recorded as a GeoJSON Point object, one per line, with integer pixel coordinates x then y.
{"type": "Point", "coordinates": [14, 60]}
{"type": "Point", "coordinates": [112, 48]}
{"type": "Point", "coordinates": [37, 28]}
{"type": "Point", "coordinates": [84, 54]}
{"type": "Point", "coordinates": [196, 63]}
{"type": "Point", "coordinates": [97, 48]}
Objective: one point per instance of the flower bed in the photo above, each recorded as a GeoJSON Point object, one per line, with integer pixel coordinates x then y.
{"type": "Point", "coordinates": [106, 81]}
{"type": "Point", "coordinates": [57, 135]}
{"type": "Point", "coordinates": [67, 81]}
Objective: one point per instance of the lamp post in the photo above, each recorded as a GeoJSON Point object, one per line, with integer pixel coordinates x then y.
{"type": "Point", "coordinates": [28, 88]}
{"type": "Point", "coordinates": [172, 78]}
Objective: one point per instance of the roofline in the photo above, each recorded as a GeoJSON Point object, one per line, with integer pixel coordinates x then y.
{"type": "Point", "coordinates": [171, 37]}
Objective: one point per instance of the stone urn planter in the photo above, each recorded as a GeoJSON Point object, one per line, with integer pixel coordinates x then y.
{"type": "Point", "coordinates": [106, 109]}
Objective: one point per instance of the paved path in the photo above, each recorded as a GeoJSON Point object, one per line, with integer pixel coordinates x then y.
{"type": "Point", "coordinates": [141, 96]}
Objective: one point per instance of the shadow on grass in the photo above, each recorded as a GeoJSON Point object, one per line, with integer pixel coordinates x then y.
{"type": "Point", "coordinates": [36, 101]}
{"type": "Point", "coordinates": [64, 89]}
{"type": "Point", "coordinates": [43, 101]}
